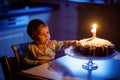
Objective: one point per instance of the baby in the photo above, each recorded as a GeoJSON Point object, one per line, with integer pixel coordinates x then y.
{"type": "Point", "coordinates": [42, 49]}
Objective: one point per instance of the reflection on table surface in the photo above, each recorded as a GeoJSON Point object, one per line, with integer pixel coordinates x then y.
{"type": "Point", "coordinates": [69, 68]}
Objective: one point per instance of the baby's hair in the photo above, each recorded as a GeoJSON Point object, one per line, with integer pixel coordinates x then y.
{"type": "Point", "coordinates": [33, 26]}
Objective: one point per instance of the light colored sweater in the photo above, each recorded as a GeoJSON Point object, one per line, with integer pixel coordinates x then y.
{"type": "Point", "coordinates": [33, 54]}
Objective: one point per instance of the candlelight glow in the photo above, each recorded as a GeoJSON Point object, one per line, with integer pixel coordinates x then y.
{"type": "Point", "coordinates": [93, 30]}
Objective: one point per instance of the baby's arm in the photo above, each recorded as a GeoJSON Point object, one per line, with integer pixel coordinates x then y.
{"type": "Point", "coordinates": [68, 43]}
{"type": "Point", "coordinates": [31, 62]}
{"type": "Point", "coordinates": [44, 59]}
{"type": "Point", "coordinates": [38, 61]}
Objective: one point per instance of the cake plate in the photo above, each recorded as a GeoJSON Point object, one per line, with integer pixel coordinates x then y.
{"type": "Point", "coordinates": [89, 65]}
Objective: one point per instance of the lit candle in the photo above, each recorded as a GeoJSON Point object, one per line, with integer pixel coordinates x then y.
{"type": "Point", "coordinates": [93, 30]}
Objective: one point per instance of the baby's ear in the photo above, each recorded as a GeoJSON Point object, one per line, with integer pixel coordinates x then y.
{"type": "Point", "coordinates": [32, 36]}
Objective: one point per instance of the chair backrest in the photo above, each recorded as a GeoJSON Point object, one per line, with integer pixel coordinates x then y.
{"type": "Point", "coordinates": [9, 67]}
{"type": "Point", "coordinates": [19, 51]}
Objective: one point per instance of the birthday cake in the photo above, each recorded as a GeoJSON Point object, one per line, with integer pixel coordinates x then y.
{"type": "Point", "coordinates": [94, 47]}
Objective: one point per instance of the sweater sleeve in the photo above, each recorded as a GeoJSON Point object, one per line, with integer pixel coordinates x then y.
{"type": "Point", "coordinates": [64, 44]}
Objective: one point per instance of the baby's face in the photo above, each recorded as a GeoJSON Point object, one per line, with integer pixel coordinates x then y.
{"type": "Point", "coordinates": [43, 34]}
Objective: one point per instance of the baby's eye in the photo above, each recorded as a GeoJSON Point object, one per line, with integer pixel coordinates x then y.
{"type": "Point", "coordinates": [42, 34]}
{"type": "Point", "coordinates": [47, 32]}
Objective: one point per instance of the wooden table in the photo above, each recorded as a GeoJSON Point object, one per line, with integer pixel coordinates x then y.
{"type": "Point", "coordinates": [69, 68]}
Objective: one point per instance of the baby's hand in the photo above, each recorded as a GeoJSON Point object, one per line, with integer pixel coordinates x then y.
{"type": "Point", "coordinates": [74, 43]}
{"type": "Point", "coordinates": [42, 61]}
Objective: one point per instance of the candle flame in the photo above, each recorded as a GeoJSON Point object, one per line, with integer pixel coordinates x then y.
{"type": "Point", "coordinates": [93, 28]}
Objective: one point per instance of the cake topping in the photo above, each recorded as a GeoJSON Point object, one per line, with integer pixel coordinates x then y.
{"type": "Point", "coordinates": [94, 42]}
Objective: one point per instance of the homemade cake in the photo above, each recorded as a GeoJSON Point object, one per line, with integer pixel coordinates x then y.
{"type": "Point", "coordinates": [94, 47]}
